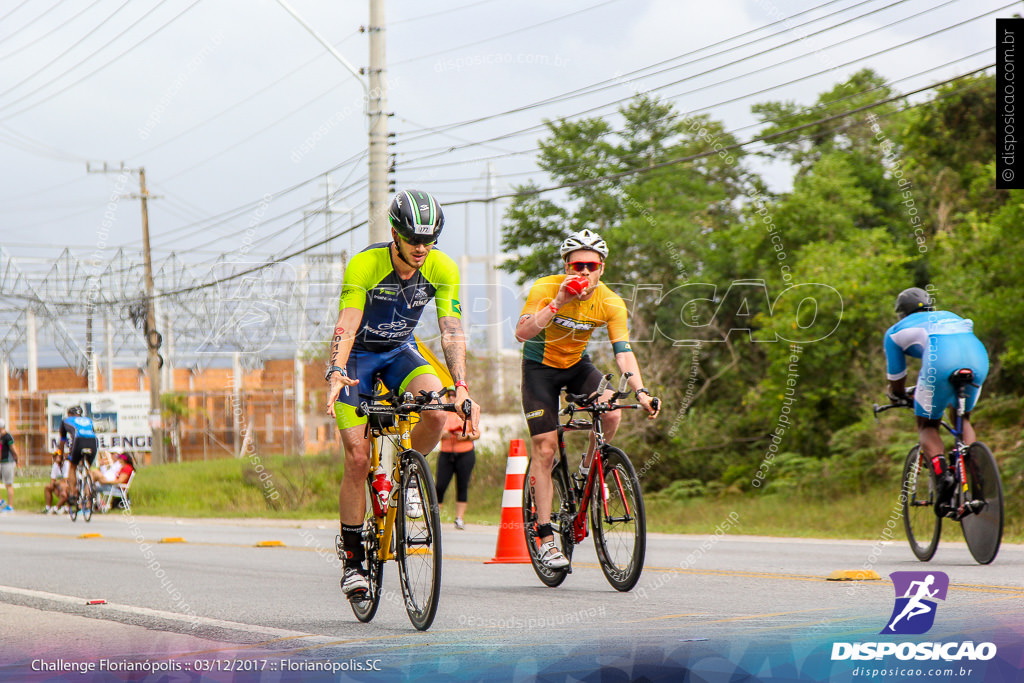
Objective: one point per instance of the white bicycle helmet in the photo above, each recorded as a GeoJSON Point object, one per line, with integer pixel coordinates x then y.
{"type": "Point", "coordinates": [584, 239]}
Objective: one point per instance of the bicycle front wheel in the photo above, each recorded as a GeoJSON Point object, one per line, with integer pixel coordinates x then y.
{"type": "Point", "coordinates": [561, 525]}
{"type": "Point", "coordinates": [983, 530]}
{"type": "Point", "coordinates": [618, 519]}
{"type": "Point", "coordinates": [419, 540]}
{"type": "Point", "coordinates": [366, 609]}
{"type": "Point", "coordinates": [922, 525]}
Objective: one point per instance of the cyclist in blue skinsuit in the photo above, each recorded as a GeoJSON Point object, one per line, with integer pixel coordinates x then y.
{"type": "Point", "coordinates": [385, 290]}
{"type": "Point", "coordinates": [79, 432]}
{"type": "Point", "coordinates": [944, 342]}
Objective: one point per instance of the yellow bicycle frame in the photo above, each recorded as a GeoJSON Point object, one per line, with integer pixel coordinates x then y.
{"type": "Point", "coordinates": [386, 523]}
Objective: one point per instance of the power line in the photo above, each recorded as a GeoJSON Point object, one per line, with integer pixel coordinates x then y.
{"type": "Point", "coordinates": [725, 148]}
{"type": "Point", "coordinates": [18, 7]}
{"type": "Point", "coordinates": [92, 73]}
{"type": "Point", "coordinates": [588, 181]}
{"type": "Point", "coordinates": [437, 14]}
{"type": "Point", "coordinates": [541, 126]}
{"type": "Point", "coordinates": [676, 115]}
{"type": "Point", "coordinates": [32, 21]}
{"type": "Point", "coordinates": [262, 130]}
{"type": "Point", "coordinates": [594, 87]}
{"type": "Point", "coordinates": [53, 30]}
{"type": "Point", "coordinates": [503, 35]}
{"type": "Point", "coordinates": [248, 98]}
{"type": "Point", "coordinates": [67, 50]}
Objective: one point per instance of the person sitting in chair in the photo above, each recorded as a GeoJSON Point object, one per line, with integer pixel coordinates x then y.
{"type": "Point", "coordinates": [119, 473]}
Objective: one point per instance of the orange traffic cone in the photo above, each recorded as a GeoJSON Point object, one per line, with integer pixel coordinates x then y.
{"type": "Point", "coordinates": [511, 548]}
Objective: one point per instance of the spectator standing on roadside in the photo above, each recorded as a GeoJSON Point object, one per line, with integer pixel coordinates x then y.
{"type": "Point", "coordinates": [8, 461]}
{"type": "Point", "coordinates": [457, 457]}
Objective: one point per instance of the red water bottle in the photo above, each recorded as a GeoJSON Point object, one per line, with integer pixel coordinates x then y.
{"type": "Point", "coordinates": [576, 285]}
{"type": "Point", "coordinates": [381, 492]}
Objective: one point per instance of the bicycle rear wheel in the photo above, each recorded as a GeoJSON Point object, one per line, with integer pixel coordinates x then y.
{"type": "Point", "coordinates": [561, 525]}
{"type": "Point", "coordinates": [419, 540]}
{"type": "Point", "coordinates": [983, 530]}
{"type": "Point", "coordinates": [75, 502]}
{"type": "Point", "coordinates": [922, 525]}
{"type": "Point", "coordinates": [88, 500]}
{"type": "Point", "coordinates": [619, 521]}
{"type": "Point", "coordinates": [366, 609]}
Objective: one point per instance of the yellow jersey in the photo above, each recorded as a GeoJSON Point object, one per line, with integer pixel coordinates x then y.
{"type": "Point", "coordinates": [563, 341]}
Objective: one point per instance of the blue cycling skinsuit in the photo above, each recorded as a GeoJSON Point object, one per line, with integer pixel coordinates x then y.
{"type": "Point", "coordinates": [944, 342]}
{"type": "Point", "coordinates": [80, 432]}
{"type": "Point", "coordinates": [391, 310]}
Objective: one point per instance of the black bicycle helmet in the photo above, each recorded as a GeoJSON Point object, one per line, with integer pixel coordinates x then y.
{"type": "Point", "coordinates": [75, 410]}
{"type": "Point", "coordinates": [416, 216]}
{"type": "Point", "coordinates": [913, 300]}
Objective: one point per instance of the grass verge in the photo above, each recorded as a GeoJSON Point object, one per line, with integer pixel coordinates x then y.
{"type": "Point", "coordinates": [286, 487]}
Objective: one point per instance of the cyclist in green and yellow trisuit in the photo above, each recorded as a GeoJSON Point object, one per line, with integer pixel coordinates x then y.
{"type": "Point", "coordinates": [385, 289]}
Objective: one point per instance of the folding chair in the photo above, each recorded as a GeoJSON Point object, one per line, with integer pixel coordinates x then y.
{"type": "Point", "coordinates": [110, 491]}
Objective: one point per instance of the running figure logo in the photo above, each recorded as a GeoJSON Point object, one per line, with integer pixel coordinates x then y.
{"type": "Point", "coordinates": [914, 613]}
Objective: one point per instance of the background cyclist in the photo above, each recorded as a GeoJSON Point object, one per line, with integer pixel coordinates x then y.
{"type": "Point", "coordinates": [944, 342]}
{"type": "Point", "coordinates": [77, 431]}
{"type": "Point", "coordinates": [385, 289]}
{"type": "Point", "coordinates": [555, 326]}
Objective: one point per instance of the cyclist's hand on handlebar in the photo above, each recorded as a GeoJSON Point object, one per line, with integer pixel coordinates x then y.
{"type": "Point", "coordinates": [651, 404]}
{"type": "Point", "coordinates": [904, 400]}
{"type": "Point", "coordinates": [461, 396]}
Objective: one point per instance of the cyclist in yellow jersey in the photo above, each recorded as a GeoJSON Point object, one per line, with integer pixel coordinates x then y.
{"type": "Point", "coordinates": [560, 314]}
{"type": "Point", "coordinates": [385, 290]}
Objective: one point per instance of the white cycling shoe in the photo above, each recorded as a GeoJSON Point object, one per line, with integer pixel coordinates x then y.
{"type": "Point", "coordinates": [551, 557]}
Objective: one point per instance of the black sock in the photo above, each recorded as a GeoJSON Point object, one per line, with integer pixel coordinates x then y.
{"type": "Point", "coordinates": [543, 530]}
{"type": "Point", "coordinates": [352, 542]}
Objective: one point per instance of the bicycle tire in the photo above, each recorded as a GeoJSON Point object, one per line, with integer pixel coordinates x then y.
{"type": "Point", "coordinates": [561, 525]}
{"type": "Point", "coordinates": [620, 531]}
{"type": "Point", "coordinates": [918, 498]}
{"type": "Point", "coordinates": [983, 529]}
{"type": "Point", "coordinates": [418, 541]}
{"type": "Point", "coordinates": [366, 609]}
{"type": "Point", "coordinates": [73, 503]}
{"type": "Point", "coordinates": [88, 500]}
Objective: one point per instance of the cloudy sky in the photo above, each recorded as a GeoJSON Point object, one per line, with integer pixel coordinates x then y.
{"type": "Point", "coordinates": [239, 115]}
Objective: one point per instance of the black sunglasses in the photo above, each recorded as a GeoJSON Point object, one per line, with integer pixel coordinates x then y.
{"type": "Point", "coordinates": [419, 241]}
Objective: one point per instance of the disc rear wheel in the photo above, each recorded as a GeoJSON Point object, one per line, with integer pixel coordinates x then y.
{"type": "Point", "coordinates": [983, 529]}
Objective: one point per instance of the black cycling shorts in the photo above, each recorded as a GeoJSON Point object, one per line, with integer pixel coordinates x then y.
{"type": "Point", "coordinates": [83, 448]}
{"type": "Point", "coordinates": [543, 384]}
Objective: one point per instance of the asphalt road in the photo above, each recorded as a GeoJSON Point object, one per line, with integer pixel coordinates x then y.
{"type": "Point", "coordinates": [218, 601]}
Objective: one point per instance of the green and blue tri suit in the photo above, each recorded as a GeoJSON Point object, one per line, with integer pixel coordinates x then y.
{"type": "Point", "coordinates": [391, 310]}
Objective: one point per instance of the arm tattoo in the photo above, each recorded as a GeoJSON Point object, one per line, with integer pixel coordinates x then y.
{"type": "Point", "coordinates": [453, 343]}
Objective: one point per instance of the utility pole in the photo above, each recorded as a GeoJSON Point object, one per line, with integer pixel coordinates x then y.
{"type": "Point", "coordinates": [376, 105]}
{"type": "Point", "coordinates": [152, 336]}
